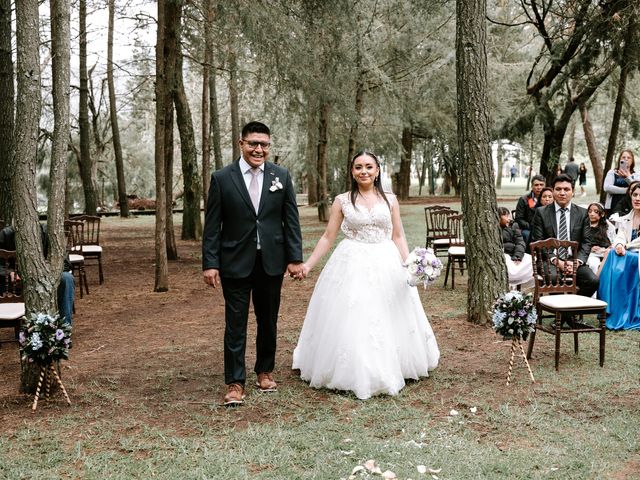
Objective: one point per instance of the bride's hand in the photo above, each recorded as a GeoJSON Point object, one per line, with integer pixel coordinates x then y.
{"type": "Point", "coordinates": [305, 270]}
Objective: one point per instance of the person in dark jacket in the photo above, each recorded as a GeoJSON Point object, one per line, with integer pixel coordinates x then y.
{"type": "Point", "coordinates": [526, 206]}
{"type": "Point", "coordinates": [518, 262]}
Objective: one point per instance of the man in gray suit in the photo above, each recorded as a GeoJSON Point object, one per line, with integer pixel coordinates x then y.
{"type": "Point", "coordinates": [251, 237]}
{"type": "Point", "coordinates": [547, 223]}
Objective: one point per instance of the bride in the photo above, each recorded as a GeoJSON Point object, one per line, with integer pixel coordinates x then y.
{"type": "Point", "coordinates": [365, 330]}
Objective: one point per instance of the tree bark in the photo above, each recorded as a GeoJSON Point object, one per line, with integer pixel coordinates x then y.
{"type": "Point", "coordinates": [205, 116]}
{"type": "Point", "coordinates": [85, 165]}
{"type": "Point", "coordinates": [191, 221]}
{"type": "Point", "coordinates": [487, 271]}
{"type": "Point", "coordinates": [312, 152]}
{"type": "Point", "coordinates": [571, 141]}
{"type": "Point", "coordinates": [233, 101]}
{"type": "Point", "coordinates": [500, 163]}
{"type": "Point", "coordinates": [594, 155]}
{"type": "Point", "coordinates": [355, 124]}
{"type": "Point", "coordinates": [161, 264]}
{"type": "Point", "coordinates": [113, 114]}
{"type": "Point", "coordinates": [323, 163]}
{"type": "Point", "coordinates": [404, 177]}
{"type": "Point", "coordinates": [7, 112]}
{"type": "Point", "coordinates": [216, 137]}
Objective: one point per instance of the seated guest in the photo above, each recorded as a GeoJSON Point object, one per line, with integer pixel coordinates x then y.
{"type": "Point", "coordinates": [66, 287]}
{"type": "Point", "coordinates": [623, 206]}
{"type": "Point", "coordinates": [518, 262]}
{"type": "Point", "coordinates": [620, 271]}
{"type": "Point", "coordinates": [618, 180]}
{"type": "Point", "coordinates": [526, 206]}
{"type": "Point", "coordinates": [545, 197]}
{"type": "Point", "coordinates": [602, 232]}
{"type": "Point", "coordinates": [565, 221]}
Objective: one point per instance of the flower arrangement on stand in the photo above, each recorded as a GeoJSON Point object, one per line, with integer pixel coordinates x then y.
{"type": "Point", "coordinates": [45, 340]}
{"type": "Point", "coordinates": [423, 267]}
{"type": "Point", "coordinates": [514, 317]}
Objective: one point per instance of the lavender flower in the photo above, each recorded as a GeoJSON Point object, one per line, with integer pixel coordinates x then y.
{"type": "Point", "coordinates": [59, 334]}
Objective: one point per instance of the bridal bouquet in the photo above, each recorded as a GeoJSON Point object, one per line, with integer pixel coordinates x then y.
{"type": "Point", "coordinates": [514, 315]}
{"type": "Point", "coordinates": [44, 339]}
{"type": "Point", "coordinates": [423, 267]}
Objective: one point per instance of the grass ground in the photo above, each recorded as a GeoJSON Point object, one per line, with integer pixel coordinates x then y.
{"type": "Point", "coordinates": [145, 379]}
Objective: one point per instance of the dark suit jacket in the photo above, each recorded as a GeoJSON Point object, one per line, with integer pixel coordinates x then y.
{"type": "Point", "coordinates": [545, 226]}
{"type": "Point", "coordinates": [524, 213]}
{"type": "Point", "coordinates": [229, 239]}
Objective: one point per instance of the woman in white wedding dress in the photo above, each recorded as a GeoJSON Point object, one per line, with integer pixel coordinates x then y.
{"type": "Point", "coordinates": [365, 330]}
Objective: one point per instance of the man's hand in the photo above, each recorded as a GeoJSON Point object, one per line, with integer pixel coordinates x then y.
{"type": "Point", "coordinates": [620, 250]}
{"type": "Point", "coordinates": [212, 277]}
{"type": "Point", "coordinates": [565, 266]}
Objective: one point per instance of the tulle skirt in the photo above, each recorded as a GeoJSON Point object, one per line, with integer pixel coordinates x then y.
{"type": "Point", "coordinates": [365, 330]}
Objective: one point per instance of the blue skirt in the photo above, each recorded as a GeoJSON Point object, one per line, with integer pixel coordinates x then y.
{"type": "Point", "coordinates": [619, 287]}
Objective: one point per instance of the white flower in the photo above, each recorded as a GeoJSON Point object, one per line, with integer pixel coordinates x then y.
{"type": "Point", "coordinates": [413, 268]}
{"type": "Point", "coordinates": [275, 185]}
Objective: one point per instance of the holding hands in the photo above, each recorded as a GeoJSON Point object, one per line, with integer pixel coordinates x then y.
{"type": "Point", "coordinates": [297, 271]}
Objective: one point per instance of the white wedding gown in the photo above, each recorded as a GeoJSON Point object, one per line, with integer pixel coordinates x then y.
{"type": "Point", "coordinates": [365, 329]}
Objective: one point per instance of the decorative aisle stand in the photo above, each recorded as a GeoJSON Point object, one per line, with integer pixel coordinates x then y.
{"type": "Point", "coordinates": [514, 317]}
{"type": "Point", "coordinates": [45, 340]}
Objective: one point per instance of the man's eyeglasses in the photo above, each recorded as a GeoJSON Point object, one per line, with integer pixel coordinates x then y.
{"type": "Point", "coordinates": [253, 145]}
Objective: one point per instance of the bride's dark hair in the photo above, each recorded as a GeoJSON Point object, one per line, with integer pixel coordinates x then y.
{"type": "Point", "coordinates": [377, 183]}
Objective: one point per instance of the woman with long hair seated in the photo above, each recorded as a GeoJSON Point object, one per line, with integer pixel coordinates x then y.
{"type": "Point", "coordinates": [602, 233]}
{"type": "Point", "coordinates": [619, 279]}
{"type": "Point", "coordinates": [518, 262]}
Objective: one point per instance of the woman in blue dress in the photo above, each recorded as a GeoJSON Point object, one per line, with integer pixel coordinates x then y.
{"type": "Point", "coordinates": [619, 278]}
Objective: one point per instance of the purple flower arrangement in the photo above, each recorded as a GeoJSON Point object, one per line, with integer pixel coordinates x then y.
{"type": "Point", "coordinates": [514, 315]}
{"type": "Point", "coordinates": [423, 267]}
{"type": "Point", "coordinates": [44, 339]}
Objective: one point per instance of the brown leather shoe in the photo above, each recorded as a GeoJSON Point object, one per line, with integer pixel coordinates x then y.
{"type": "Point", "coordinates": [266, 383]}
{"type": "Point", "coordinates": [235, 395]}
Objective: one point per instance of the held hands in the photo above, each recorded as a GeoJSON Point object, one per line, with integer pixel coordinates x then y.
{"type": "Point", "coordinates": [297, 271]}
{"type": "Point", "coordinates": [620, 250]}
{"type": "Point", "coordinates": [564, 266]}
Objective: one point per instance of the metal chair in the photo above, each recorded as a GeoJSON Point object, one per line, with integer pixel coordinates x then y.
{"type": "Point", "coordinates": [555, 293]}
{"type": "Point", "coordinates": [91, 249]}
{"type": "Point", "coordinates": [11, 300]}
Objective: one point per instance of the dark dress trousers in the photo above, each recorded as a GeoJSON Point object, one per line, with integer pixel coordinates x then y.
{"type": "Point", "coordinates": [545, 226]}
{"type": "Point", "coordinates": [229, 245]}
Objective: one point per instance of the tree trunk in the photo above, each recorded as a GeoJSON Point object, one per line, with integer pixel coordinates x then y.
{"type": "Point", "coordinates": [7, 112]}
{"type": "Point", "coordinates": [216, 138]}
{"type": "Point", "coordinates": [191, 221]}
{"type": "Point", "coordinates": [353, 132]}
{"type": "Point", "coordinates": [404, 177]}
{"type": "Point", "coordinates": [594, 155]}
{"type": "Point", "coordinates": [323, 163]}
{"type": "Point", "coordinates": [571, 141]}
{"type": "Point", "coordinates": [487, 271]}
{"type": "Point", "coordinates": [205, 116]}
{"type": "Point", "coordinates": [233, 100]}
{"type": "Point", "coordinates": [113, 113]}
{"type": "Point", "coordinates": [500, 164]}
{"type": "Point", "coordinates": [85, 164]}
{"type": "Point", "coordinates": [312, 152]}
{"type": "Point", "coordinates": [161, 264]}
{"type": "Point", "coordinates": [629, 61]}
{"type": "Point", "coordinates": [40, 275]}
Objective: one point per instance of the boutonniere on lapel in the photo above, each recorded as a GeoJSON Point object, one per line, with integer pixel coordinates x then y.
{"type": "Point", "coordinates": [275, 185]}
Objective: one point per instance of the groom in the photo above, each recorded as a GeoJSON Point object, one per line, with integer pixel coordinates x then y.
{"type": "Point", "coordinates": [251, 236]}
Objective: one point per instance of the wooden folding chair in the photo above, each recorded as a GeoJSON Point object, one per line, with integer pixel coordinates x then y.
{"type": "Point", "coordinates": [555, 293]}
{"type": "Point", "coordinates": [91, 249]}
{"type": "Point", "coordinates": [440, 230]}
{"type": "Point", "coordinates": [456, 251]}
{"type": "Point", "coordinates": [427, 222]}
{"type": "Point", "coordinates": [74, 232]}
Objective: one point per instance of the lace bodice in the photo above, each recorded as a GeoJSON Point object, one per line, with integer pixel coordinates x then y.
{"type": "Point", "coordinates": [364, 225]}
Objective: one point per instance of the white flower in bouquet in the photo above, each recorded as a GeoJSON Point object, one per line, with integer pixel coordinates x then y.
{"type": "Point", "coordinates": [423, 267]}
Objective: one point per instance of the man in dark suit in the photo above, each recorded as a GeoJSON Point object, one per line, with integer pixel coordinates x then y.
{"type": "Point", "coordinates": [251, 236]}
{"type": "Point", "coordinates": [547, 223]}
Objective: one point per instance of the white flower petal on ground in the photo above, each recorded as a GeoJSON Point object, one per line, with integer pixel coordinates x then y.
{"type": "Point", "coordinates": [453, 412]}
{"type": "Point", "coordinates": [421, 469]}
{"type": "Point", "coordinates": [473, 409]}
{"type": "Point", "coordinates": [349, 452]}
{"type": "Point", "coordinates": [435, 470]}
{"type": "Point", "coordinates": [370, 465]}
{"type": "Point", "coordinates": [389, 475]}
{"type": "Point", "coordinates": [356, 469]}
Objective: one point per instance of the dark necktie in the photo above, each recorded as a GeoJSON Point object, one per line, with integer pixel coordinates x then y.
{"type": "Point", "coordinates": [562, 233]}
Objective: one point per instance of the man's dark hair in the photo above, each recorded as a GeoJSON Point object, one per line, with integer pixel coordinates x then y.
{"type": "Point", "coordinates": [538, 178]}
{"type": "Point", "coordinates": [255, 127]}
{"type": "Point", "coordinates": [563, 177]}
